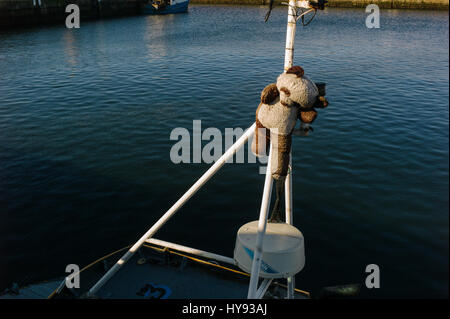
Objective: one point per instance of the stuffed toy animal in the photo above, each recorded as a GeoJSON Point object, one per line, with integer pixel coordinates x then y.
{"type": "Point", "coordinates": [293, 97]}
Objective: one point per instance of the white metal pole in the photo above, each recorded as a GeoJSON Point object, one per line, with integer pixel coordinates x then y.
{"type": "Point", "coordinates": [263, 288]}
{"type": "Point", "coordinates": [290, 36]}
{"type": "Point", "coordinates": [263, 214]}
{"type": "Point", "coordinates": [191, 251]}
{"type": "Point", "coordinates": [288, 62]}
{"type": "Point", "coordinates": [288, 193]}
{"type": "Point", "coordinates": [191, 191]}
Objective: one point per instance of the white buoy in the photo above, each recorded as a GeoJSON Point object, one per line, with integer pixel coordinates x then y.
{"type": "Point", "coordinates": [283, 251]}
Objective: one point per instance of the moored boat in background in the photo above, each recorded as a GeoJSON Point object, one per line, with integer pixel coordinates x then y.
{"type": "Point", "coordinates": [166, 6]}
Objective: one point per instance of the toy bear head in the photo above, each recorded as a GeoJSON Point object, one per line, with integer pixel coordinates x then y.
{"type": "Point", "coordinates": [296, 89]}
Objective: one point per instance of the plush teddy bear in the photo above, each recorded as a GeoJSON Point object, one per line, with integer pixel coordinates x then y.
{"type": "Point", "coordinates": [293, 97]}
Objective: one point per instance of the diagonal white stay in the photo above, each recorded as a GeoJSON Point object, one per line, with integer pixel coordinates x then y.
{"type": "Point", "coordinates": [190, 192]}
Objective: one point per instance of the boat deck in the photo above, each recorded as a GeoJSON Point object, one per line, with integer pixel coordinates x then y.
{"type": "Point", "coordinates": [37, 291]}
{"type": "Point", "coordinates": [178, 278]}
{"type": "Point", "coordinates": [167, 274]}
{"type": "Point", "coordinates": [158, 273]}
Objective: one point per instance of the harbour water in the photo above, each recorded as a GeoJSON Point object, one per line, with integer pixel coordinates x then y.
{"type": "Point", "coordinates": [86, 116]}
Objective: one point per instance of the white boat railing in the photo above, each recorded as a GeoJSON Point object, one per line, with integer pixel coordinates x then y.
{"type": "Point", "coordinates": [253, 292]}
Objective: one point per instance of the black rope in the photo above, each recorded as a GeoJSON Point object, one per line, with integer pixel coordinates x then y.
{"type": "Point", "coordinates": [276, 211]}
{"type": "Point", "coordinates": [268, 12]}
{"type": "Point", "coordinates": [303, 18]}
{"type": "Point", "coordinates": [316, 6]}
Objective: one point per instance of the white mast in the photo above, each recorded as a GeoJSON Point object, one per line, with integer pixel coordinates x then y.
{"type": "Point", "coordinates": [288, 62]}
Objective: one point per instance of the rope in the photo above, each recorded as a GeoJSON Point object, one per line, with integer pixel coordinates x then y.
{"type": "Point", "coordinates": [198, 260]}
{"type": "Point", "coordinates": [221, 267]}
{"type": "Point", "coordinates": [268, 12]}
{"type": "Point", "coordinates": [89, 266]}
{"type": "Point", "coordinates": [303, 17]}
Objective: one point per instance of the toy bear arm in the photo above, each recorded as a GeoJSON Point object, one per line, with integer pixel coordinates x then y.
{"type": "Point", "coordinates": [307, 116]}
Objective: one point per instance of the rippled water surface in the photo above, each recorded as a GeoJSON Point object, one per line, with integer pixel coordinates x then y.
{"type": "Point", "coordinates": [86, 116]}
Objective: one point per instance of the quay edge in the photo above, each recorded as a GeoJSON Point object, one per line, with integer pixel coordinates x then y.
{"type": "Point", "coordinates": [18, 13]}
{"type": "Point", "coordinates": [384, 4]}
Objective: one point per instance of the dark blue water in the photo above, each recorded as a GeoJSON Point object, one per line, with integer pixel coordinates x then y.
{"type": "Point", "coordinates": [86, 115]}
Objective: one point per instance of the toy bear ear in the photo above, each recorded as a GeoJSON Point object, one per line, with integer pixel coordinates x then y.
{"type": "Point", "coordinates": [297, 70]}
{"type": "Point", "coordinates": [269, 94]}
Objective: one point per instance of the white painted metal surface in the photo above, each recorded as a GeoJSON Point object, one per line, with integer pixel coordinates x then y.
{"type": "Point", "coordinates": [290, 36]}
{"type": "Point", "coordinates": [192, 251]}
{"type": "Point", "coordinates": [263, 288]}
{"type": "Point", "coordinates": [288, 194]}
{"type": "Point", "coordinates": [282, 255]}
{"type": "Point", "coordinates": [264, 211]}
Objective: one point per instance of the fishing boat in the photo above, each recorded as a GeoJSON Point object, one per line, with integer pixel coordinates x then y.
{"type": "Point", "coordinates": [166, 6]}
{"type": "Point", "coordinates": [267, 256]}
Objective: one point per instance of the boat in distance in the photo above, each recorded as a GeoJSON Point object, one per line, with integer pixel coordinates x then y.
{"type": "Point", "coordinates": [166, 6]}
